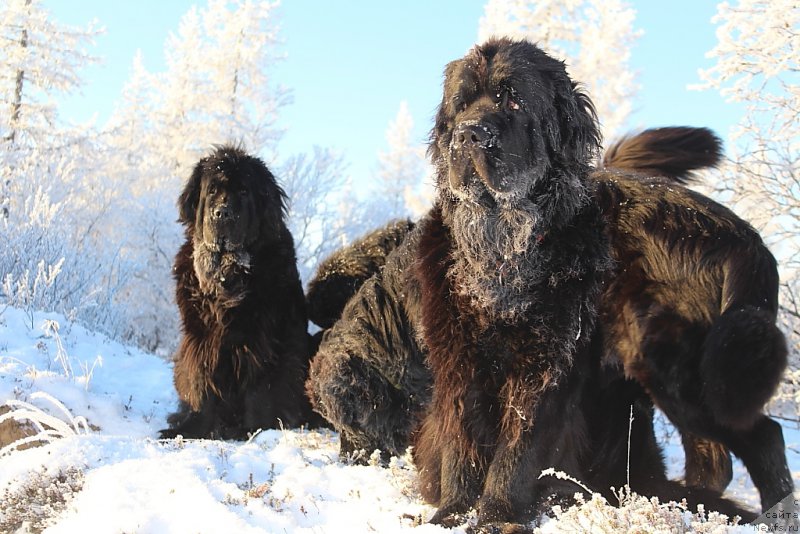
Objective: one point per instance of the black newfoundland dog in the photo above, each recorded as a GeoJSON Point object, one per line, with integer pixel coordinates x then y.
{"type": "Point", "coordinates": [243, 356]}
{"type": "Point", "coordinates": [489, 340]}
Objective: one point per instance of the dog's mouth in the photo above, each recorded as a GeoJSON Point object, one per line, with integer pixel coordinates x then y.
{"type": "Point", "coordinates": [223, 237]}
{"type": "Point", "coordinates": [478, 159]}
{"type": "Point", "coordinates": [467, 164]}
{"type": "Point", "coordinates": [221, 271]}
{"type": "Point", "coordinates": [482, 179]}
{"type": "Point", "coordinates": [225, 245]}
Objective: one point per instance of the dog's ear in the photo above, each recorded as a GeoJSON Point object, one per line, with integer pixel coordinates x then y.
{"type": "Point", "coordinates": [443, 121]}
{"type": "Point", "coordinates": [267, 189]}
{"type": "Point", "coordinates": [579, 131]}
{"type": "Point", "coordinates": [190, 197]}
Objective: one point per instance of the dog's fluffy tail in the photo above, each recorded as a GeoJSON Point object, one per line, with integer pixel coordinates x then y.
{"type": "Point", "coordinates": [674, 152]}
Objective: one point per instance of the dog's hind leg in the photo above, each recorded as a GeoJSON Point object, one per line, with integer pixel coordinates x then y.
{"type": "Point", "coordinates": [670, 373]}
{"type": "Point", "coordinates": [708, 463]}
{"type": "Point", "coordinates": [762, 450]}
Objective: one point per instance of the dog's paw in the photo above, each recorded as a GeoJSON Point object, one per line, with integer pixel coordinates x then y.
{"type": "Point", "coordinates": [448, 519]}
{"type": "Point", "coordinates": [167, 433]}
{"type": "Point", "coordinates": [499, 528]}
{"type": "Point", "coordinates": [493, 510]}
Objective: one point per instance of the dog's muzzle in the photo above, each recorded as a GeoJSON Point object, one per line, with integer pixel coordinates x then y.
{"type": "Point", "coordinates": [471, 146]}
{"type": "Point", "coordinates": [470, 135]}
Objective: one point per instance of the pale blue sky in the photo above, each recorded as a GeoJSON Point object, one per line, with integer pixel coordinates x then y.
{"type": "Point", "coordinates": [350, 63]}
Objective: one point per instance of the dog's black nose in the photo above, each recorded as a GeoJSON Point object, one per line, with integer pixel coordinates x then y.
{"type": "Point", "coordinates": [473, 135]}
{"type": "Point", "coordinates": [222, 212]}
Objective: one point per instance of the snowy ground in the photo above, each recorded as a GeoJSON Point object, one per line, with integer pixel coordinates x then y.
{"type": "Point", "coordinates": [114, 476]}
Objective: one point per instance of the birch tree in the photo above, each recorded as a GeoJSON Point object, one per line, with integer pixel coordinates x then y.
{"type": "Point", "coordinates": [402, 171]}
{"type": "Point", "coordinates": [52, 198]}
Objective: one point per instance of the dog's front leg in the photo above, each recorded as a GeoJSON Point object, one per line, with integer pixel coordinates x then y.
{"type": "Point", "coordinates": [460, 482]}
{"type": "Point", "coordinates": [513, 491]}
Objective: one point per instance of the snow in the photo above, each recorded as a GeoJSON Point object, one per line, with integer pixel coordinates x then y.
{"type": "Point", "coordinates": [123, 479]}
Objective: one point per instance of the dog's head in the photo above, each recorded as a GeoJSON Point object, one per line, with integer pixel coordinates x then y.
{"type": "Point", "coordinates": [510, 121]}
{"type": "Point", "coordinates": [231, 201]}
{"type": "Point", "coordinates": [512, 143]}
{"type": "Point", "coordinates": [231, 206]}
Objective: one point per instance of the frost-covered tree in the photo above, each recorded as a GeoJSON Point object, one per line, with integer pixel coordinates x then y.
{"type": "Point", "coordinates": [218, 85]}
{"type": "Point", "coordinates": [593, 37]}
{"type": "Point", "coordinates": [217, 88]}
{"type": "Point", "coordinates": [758, 64]}
{"type": "Point", "coordinates": [402, 171]}
{"type": "Point", "coordinates": [40, 59]}
{"type": "Point", "coordinates": [54, 201]}
{"type": "Point", "coordinates": [320, 217]}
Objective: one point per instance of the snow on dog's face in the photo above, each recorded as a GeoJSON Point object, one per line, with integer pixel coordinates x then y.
{"type": "Point", "coordinates": [512, 144]}
{"type": "Point", "coordinates": [231, 206]}
{"type": "Point", "coordinates": [509, 116]}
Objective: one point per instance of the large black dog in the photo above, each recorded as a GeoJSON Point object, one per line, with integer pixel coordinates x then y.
{"type": "Point", "coordinates": [476, 341]}
{"type": "Point", "coordinates": [243, 356]}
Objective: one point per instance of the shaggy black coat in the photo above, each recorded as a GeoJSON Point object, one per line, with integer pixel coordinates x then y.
{"type": "Point", "coordinates": [476, 340]}
{"type": "Point", "coordinates": [375, 380]}
{"type": "Point", "coordinates": [340, 275]}
{"type": "Point", "coordinates": [243, 356]}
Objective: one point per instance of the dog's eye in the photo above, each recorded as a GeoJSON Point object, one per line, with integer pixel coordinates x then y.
{"type": "Point", "coordinates": [504, 100]}
{"type": "Point", "coordinates": [212, 189]}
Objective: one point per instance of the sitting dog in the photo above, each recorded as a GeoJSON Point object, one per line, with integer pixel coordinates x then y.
{"type": "Point", "coordinates": [244, 353]}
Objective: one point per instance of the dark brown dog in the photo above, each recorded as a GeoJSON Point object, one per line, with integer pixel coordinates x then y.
{"type": "Point", "coordinates": [243, 356]}
{"type": "Point", "coordinates": [690, 315]}
{"type": "Point", "coordinates": [510, 265]}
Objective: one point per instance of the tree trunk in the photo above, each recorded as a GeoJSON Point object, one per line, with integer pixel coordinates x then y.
{"type": "Point", "coordinates": [15, 108]}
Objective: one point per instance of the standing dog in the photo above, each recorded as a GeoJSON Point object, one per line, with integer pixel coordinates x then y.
{"type": "Point", "coordinates": [690, 314]}
{"type": "Point", "coordinates": [243, 356]}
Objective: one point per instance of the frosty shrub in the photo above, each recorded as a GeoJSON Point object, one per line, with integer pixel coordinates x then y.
{"type": "Point", "coordinates": [49, 266]}
{"type": "Point", "coordinates": [634, 513]}
{"type": "Point", "coordinates": [46, 427]}
{"type": "Point", "coordinates": [35, 505]}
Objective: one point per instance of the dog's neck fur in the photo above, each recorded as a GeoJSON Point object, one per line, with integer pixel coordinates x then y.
{"type": "Point", "coordinates": [501, 250]}
{"type": "Point", "coordinates": [220, 273]}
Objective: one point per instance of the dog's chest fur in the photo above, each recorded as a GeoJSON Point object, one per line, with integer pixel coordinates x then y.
{"type": "Point", "coordinates": [462, 336]}
{"type": "Point", "coordinates": [508, 365]}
